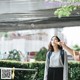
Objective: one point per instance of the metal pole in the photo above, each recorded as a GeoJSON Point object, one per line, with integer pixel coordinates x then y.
{"type": "Point", "coordinates": [23, 69]}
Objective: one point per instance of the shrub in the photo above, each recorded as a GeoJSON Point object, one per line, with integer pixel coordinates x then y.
{"type": "Point", "coordinates": [14, 55]}
{"type": "Point", "coordinates": [41, 55]}
{"type": "Point", "coordinates": [74, 69]}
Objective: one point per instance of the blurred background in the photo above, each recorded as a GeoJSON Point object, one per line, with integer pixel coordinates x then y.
{"type": "Point", "coordinates": [26, 44]}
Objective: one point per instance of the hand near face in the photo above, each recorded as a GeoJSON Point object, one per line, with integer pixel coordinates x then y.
{"type": "Point", "coordinates": [61, 43]}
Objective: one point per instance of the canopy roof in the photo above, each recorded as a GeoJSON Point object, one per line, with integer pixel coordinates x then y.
{"type": "Point", "coordinates": [33, 14]}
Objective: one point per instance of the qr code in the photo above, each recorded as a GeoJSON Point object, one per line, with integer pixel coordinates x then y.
{"type": "Point", "coordinates": [5, 73]}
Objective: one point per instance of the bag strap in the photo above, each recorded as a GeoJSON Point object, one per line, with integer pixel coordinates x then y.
{"type": "Point", "coordinates": [49, 55]}
{"type": "Point", "coordinates": [62, 56]}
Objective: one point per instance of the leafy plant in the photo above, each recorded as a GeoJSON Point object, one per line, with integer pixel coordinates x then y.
{"type": "Point", "coordinates": [14, 55]}
{"type": "Point", "coordinates": [76, 47]}
{"type": "Point", "coordinates": [41, 55]}
{"type": "Point", "coordinates": [65, 11]}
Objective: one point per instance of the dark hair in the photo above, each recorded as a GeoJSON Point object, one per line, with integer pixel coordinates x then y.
{"type": "Point", "coordinates": [50, 47]}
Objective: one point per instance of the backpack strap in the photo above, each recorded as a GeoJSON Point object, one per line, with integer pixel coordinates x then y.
{"type": "Point", "coordinates": [49, 55]}
{"type": "Point", "coordinates": [62, 56]}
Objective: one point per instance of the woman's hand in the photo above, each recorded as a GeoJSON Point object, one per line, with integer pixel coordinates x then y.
{"type": "Point", "coordinates": [61, 43]}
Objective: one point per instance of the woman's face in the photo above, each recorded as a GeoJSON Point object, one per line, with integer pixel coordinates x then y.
{"type": "Point", "coordinates": [54, 41]}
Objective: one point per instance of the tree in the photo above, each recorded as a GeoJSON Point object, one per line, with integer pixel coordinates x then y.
{"type": "Point", "coordinates": [14, 55]}
{"type": "Point", "coordinates": [76, 47]}
{"type": "Point", "coordinates": [41, 55]}
{"type": "Point", "coordinates": [66, 10]}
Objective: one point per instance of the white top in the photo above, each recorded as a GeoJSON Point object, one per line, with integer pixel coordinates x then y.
{"type": "Point", "coordinates": [55, 60]}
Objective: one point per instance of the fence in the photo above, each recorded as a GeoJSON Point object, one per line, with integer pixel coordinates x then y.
{"type": "Point", "coordinates": [9, 73]}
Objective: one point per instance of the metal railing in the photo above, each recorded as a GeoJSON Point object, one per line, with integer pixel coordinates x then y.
{"type": "Point", "coordinates": [4, 69]}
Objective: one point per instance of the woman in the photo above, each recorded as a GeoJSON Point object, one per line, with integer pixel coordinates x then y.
{"type": "Point", "coordinates": [74, 53]}
{"type": "Point", "coordinates": [54, 67]}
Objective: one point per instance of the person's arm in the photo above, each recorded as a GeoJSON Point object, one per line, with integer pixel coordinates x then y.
{"type": "Point", "coordinates": [71, 51]}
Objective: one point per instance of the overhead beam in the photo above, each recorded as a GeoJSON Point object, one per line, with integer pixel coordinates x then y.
{"type": "Point", "coordinates": [13, 27]}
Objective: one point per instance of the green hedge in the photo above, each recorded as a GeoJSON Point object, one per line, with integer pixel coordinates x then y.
{"type": "Point", "coordinates": [74, 70]}
{"type": "Point", "coordinates": [24, 75]}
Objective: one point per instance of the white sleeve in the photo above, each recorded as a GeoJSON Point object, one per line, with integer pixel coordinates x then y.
{"type": "Point", "coordinates": [65, 71]}
{"type": "Point", "coordinates": [46, 67]}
